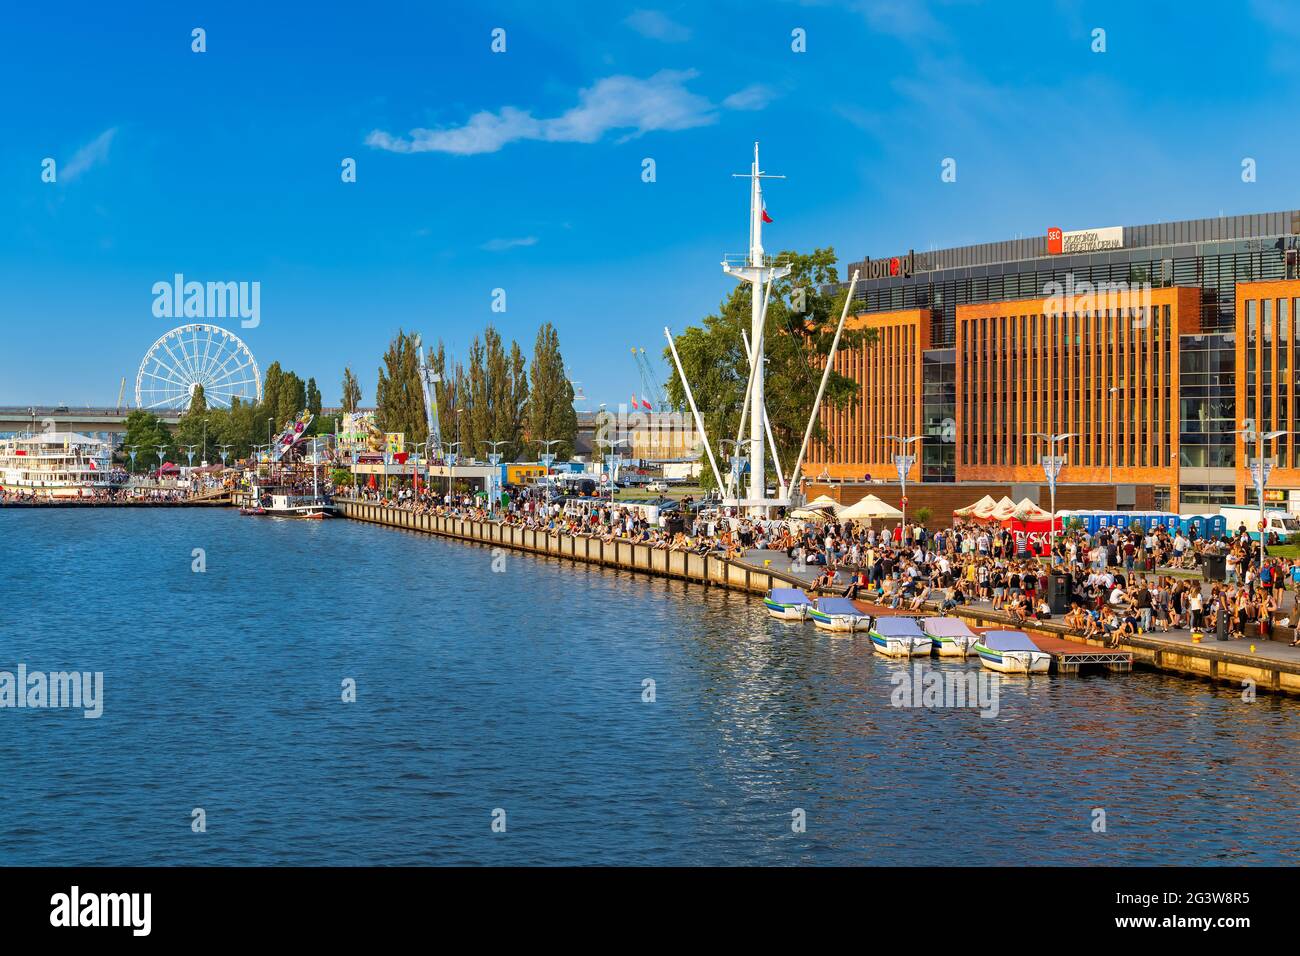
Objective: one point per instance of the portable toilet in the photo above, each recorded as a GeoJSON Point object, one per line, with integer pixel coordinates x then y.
{"type": "Point", "coordinates": [1216, 526]}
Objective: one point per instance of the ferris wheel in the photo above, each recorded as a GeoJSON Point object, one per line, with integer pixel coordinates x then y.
{"type": "Point", "coordinates": [193, 355]}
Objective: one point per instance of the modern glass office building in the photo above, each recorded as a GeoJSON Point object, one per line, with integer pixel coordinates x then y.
{"type": "Point", "coordinates": [1152, 345]}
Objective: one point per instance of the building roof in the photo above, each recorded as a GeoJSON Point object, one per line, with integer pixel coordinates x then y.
{"type": "Point", "coordinates": [1180, 232]}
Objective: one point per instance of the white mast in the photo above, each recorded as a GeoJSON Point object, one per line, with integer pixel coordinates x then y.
{"type": "Point", "coordinates": [756, 271]}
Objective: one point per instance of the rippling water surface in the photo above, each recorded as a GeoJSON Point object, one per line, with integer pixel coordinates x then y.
{"type": "Point", "coordinates": [522, 690]}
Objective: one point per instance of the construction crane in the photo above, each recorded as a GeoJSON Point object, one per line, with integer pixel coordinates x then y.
{"type": "Point", "coordinates": [429, 380]}
{"type": "Point", "coordinates": [650, 388]}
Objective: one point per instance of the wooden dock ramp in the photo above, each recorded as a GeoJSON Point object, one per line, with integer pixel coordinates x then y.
{"type": "Point", "coordinates": [1068, 656]}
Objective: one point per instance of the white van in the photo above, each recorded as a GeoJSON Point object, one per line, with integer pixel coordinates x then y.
{"type": "Point", "coordinates": [1281, 523]}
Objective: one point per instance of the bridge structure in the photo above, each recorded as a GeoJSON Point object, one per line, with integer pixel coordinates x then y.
{"type": "Point", "coordinates": [105, 423]}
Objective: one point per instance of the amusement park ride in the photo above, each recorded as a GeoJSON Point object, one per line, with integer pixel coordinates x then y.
{"type": "Point", "coordinates": [286, 489]}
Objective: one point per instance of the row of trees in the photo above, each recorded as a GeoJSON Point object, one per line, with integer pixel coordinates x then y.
{"type": "Point", "coordinates": [241, 426]}
{"type": "Point", "coordinates": [800, 324]}
{"type": "Point", "coordinates": [487, 397]}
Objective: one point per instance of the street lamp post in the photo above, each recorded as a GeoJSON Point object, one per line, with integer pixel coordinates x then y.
{"type": "Point", "coordinates": [547, 458]}
{"type": "Point", "coordinates": [161, 450]}
{"type": "Point", "coordinates": [1052, 465]}
{"type": "Point", "coordinates": [1260, 471]}
{"type": "Point", "coordinates": [225, 452]}
{"type": "Point", "coordinates": [904, 464]}
{"type": "Point", "coordinates": [132, 450]}
{"type": "Point", "coordinates": [450, 457]}
{"type": "Point", "coordinates": [189, 452]}
{"type": "Point", "coordinates": [611, 461]}
{"type": "Point", "coordinates": [494, 459]}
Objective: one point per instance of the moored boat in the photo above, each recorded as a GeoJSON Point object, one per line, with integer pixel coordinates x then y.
{"type": "Point", "coordinates": [951, 636]}
{"type": "Point", "coordinates": [787, 604]}
{"type": "Point", "coordinates": [1012, 652]}
{"type": "Point", "coordinates": [57, 465]}
{"type": "Point", "coordinates": [838, 614]}
{"type": "Point", "coordinates": [899, 637]}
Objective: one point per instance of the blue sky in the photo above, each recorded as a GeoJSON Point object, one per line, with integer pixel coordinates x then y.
{"type": "Point", "coordinates": [225, 165]}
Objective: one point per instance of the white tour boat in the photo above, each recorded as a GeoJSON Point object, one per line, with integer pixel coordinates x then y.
{"type": "Point", "coordinates": [56, 465]}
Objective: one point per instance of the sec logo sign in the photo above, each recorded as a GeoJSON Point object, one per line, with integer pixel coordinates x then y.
{"type": "Point", "coordinates": [1055, 241]}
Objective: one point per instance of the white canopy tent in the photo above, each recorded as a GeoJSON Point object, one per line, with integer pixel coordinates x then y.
{"type": "Point", "coordinates": [868, 508]}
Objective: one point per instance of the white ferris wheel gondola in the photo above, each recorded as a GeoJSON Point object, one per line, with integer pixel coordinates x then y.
{"type": "Point", "coordinates": [192, 355]}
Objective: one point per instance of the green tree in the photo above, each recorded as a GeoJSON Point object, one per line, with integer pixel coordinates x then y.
{"type": "Point", "coordinates": [313, 397]}
{"type": "Point", "coordinates": [351, 391]}
{"type": "Point", "coordinates": [800, 325]}
{"type": "Point", "coordinates": [145, 431]}
{"type": "Point", "coordinates": [398, 395]}
{"type": "Point", "coordinates": [550, 411]}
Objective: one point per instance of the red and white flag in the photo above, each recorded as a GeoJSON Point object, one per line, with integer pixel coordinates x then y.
{"type": "Point", "coordinates": [634, 402]}
{"type": "Point", "coordinates": [766, 217]}
{"type": "Point", "coordinates": [646, 405]}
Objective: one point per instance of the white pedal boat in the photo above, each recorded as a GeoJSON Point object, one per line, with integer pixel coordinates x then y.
{"type": "Point", "coordinates": [899, 637]}
{"type": "Point", "coordinates": [951, 636]}
{"type": "Point", "coordinates": [837, 614]}
{"type": "Point", "coordinates": [1012, 652]}
{"type": "Point", "coordinates": [787, 604]}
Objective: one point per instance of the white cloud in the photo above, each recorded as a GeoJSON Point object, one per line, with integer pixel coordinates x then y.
{"type": "Point", "coordinates": [900, 18]}
{"type": "Point", "coordinates": [753, 97]}
{"type": "Point", "coordinates": [657, 26]}
{"type": "Point", "coordinates": [661, 102]}
{"type": "Point", "coordinates": [89, 156]}
{"type": "Point", "coordinates": [501, 245]}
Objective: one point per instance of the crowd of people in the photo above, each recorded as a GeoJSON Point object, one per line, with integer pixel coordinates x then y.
{"type": "Point", "coordinates": [1121, 582]}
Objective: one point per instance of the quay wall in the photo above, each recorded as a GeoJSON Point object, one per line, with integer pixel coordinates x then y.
{"type": "Point", "coordinates": [706, 569]}
{"type": "Point", "coordinates": [1208, 661]}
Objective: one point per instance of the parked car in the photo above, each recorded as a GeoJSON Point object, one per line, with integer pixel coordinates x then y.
{"type": "Point", "coordinates": [659, 486]}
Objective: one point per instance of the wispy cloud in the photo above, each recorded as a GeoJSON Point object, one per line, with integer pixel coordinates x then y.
{"type": "Point", "coordinates": [656, 25]}
{"type": "Point", "coordinates": [753, 97]}
{"type": "Point", "coordinates": [89, 156]}
{"type": "Point", "coordinates": [501, 245]}
{"type": "Point", "coordinates": [639, 106]}
{"type": "Point", "coordinates": [900, 18]}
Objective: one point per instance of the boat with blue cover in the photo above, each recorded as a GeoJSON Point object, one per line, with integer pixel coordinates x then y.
{"type": "Point", "coordinates": [899, 637]}
{"type": "Point", "coordinates": [951, 636]}
{"type": "Point", "coordinates": [838, 614]}
{"type": "Point", "coordinates": [1012, 652]}
{"type": "Point", "coordinates": [787, 604]}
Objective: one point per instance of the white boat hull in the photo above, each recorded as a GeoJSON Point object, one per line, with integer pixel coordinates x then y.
{"type": "Point", "coordinates": [1016, 662]}
{"type": "Point", "coordinates": [841, 623]}
{"type": "Point", "coordinates": [790, 612]}
{"type": "Point", "coordinates": [955, 646]}
{"type": "Point", "coordinates": [901, 646]}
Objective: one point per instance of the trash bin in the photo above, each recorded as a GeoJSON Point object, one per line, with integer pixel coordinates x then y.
{"type": "Point", "coordinates": [1060, 590]}
{"type": "Point", "coordinates": [1213, 567]}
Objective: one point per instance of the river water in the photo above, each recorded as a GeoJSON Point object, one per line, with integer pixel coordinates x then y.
{"type": "Point", "coordinates": [496, 686]}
